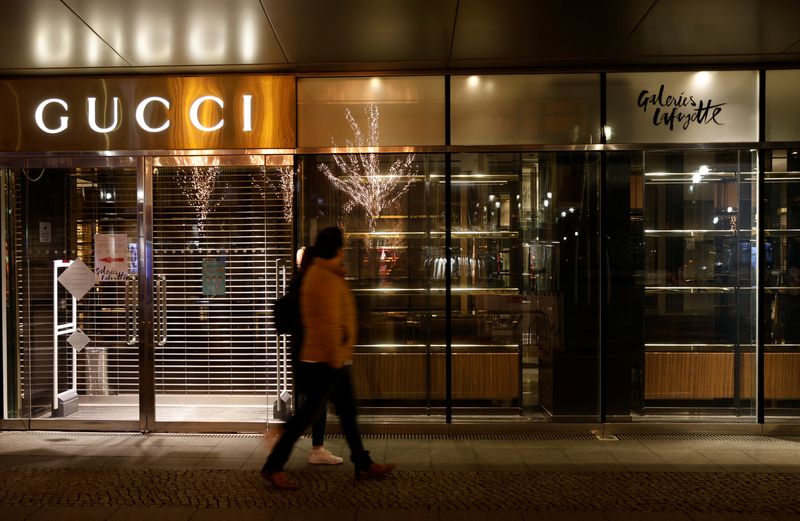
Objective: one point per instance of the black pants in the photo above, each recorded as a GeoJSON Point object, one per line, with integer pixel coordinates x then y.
{"type": "Point", "coordinates": [319, 424]}
{"type": "Point", "coordinates": [322, 383]}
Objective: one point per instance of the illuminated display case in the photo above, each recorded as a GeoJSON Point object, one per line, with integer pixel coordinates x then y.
{"type": "Point", "coordinates": [392, 214]}
{"type": "Point", "coordinates": [699, 280]}
{"type": "Point", "coordinates": [781, 250]}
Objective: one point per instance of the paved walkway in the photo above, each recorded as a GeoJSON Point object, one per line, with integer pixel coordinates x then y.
{"type": "Point", "coordinates": [49, 476]}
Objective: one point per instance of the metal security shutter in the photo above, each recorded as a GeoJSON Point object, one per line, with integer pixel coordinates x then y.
{"type": "Point", "coordinates": [234, 216]}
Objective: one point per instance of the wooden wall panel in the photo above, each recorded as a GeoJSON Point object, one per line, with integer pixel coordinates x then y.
{"type": "Point", "coordinates": [485, 376]}
{"type": "Point", "coordinates": [782, 376]}
{"type": "Point", "coordinates": [390, 376]}
{"type": "Point", "coordinates": [747, 384]}
{"type": "Point", "coordinates": [688, 376]}
{"type": "Point", "coordinates": [476, 376]}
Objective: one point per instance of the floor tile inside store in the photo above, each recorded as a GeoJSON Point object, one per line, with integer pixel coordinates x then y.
{"type": "Point", "coordinates": [118, 476]}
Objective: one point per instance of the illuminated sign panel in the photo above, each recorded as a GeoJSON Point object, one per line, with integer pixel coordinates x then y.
{"type": "Point", "coordinates": [682, 107]}
{"type": "Point", "coordinates": [148, 113]}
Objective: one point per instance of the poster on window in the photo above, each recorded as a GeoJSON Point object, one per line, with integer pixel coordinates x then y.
{"type": "Point", "coordinates": [110, 256]}
{"type": "Point", "coordinates": [214, 277]}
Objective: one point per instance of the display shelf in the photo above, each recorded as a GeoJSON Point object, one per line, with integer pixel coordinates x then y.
{"type": "Point", "coordinates": [465, 234]}
{"type": "Point", "coordinates": [417, 291]}
{"type": "Point", "coordinates": [480, 234]}
{"type": "Point", "coordinates": [689, 289]}
{"type": "Point", "coordinates": [778, 232]}
{"type": "Point", "coordinates": [690, 233]}
{"type": "Point", "coordinates": [690, 178]}
{"type": "Point", "coordinates": [781, 289]}
{"type": "Point", "coordinates": [782, 175]}
{"type": "Point", "coordinates": [782, 347]}
{"type": "Point", "coordinates": [688, 347]}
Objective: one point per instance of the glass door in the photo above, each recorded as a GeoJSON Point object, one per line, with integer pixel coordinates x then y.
{"type": "Point", "coordinates": [781, 250]}
{"type": "Point", "coordinates": [222, 250]}
{"type": "Point", "coordinates": [70, 283]}
{"type": "Point", "coordinates": [681, 324]}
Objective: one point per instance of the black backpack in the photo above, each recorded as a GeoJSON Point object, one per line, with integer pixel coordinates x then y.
{"type": "Point", "coordinates": [286, 311]}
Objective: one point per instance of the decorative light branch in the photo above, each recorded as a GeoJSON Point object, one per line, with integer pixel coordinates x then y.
{"type": "Point", "coordinates": [197, 184]}
{"type": "Point", "coordinates": [286, 187]}
{"type": "Point", "coordinates": [284, 184]}
{"type": "Point", "coordinates": [359, 175]}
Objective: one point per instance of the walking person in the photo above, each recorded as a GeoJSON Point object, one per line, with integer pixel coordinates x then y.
{"type": "Point", "coordinates": [328, 315]}
{"type": "Point", "coordinates": [319, 455]}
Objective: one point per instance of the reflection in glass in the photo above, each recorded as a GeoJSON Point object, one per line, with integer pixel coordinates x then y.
{"type": "Point", "coordinates": [699, 250]}
{"type": "Point", "coordinates": [361, 177]}
{"type": "Point", "coordinates": [525, 283]}
{"type": "Point", "coordinates": [781, 250]}
{"type": "Point", "coordinates": [62, 215]}
{"type": "Point", "coordinates": [399, 356]}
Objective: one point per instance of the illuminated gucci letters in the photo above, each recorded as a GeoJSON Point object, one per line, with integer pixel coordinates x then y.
{"type": "Point", "coordinates": [40, 113]}
{"type": "Point", "coordinates": [61, 108]}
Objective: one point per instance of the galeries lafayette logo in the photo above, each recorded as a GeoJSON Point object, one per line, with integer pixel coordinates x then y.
{"type": "Point", "coordinates": [680, 111]}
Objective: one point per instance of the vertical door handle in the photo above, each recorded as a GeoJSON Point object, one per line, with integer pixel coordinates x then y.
{"type": "Point", "coordinates": [131, 311]}
{"type": "Point", "coordinates": [161, 307]}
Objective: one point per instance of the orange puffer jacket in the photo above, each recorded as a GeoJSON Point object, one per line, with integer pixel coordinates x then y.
{"type": "Point", "coordinates": [328, 312]}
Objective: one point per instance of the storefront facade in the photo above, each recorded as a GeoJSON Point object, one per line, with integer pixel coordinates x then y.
{"type": "Point", "coordinates": [525, 249]}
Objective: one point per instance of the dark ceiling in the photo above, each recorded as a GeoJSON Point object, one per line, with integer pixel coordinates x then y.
{"type": "Point", "coordinates": [132, 36]}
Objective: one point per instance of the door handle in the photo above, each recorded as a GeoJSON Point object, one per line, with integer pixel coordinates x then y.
{"type": "Point", "coordinates": [161, 310]}
{"type": "Point", "coordinates": [131, 311]}
{"type": "Point", "coordinates": [280, 288]}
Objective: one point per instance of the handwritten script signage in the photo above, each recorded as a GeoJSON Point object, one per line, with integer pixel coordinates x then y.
{"type": "Point", "coordinates": [682, 107]}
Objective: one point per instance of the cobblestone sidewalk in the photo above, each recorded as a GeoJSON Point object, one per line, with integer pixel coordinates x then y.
{"type": "Point", "coordinates": [688, 492]}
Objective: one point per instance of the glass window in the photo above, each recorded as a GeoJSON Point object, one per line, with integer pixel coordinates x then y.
{"type": "Point", "coordinates": [686, 218]}
{"type": "Point", "coordinates": [782, 105]}
{"type": "Point", "coordinates": [525, 109]}
{"type": "Point", "coordinates": [72, 235]}
{"type": "Point", "coordinates": [378, 111]}
{"type": "Point", "coordinates": [525, 279]}
{"type": "Point", "coordinates": [781, 251]}
{"type": "Point", "coordinates": [391, 208]}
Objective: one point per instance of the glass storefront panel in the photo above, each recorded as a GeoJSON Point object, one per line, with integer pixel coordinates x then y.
{"type": "Point", "coordinates": [782, 106]}
{"type": "Point", "coordinates": [781, 257]}
{"type": "Point", "coordinates": [525, 283]}
{"type": "Point", "coordinates": [524, 109]}
{"type": "Point", "coordinates": [72, 242]}
{"type": "Point", "coordinates": [391, 209]}
{"type": "Point", "coordinates": [222, 250]}
{"type": "Point", "coordinates": [377, 111]}
{"type": "Point", "coordinates": [690, 226]}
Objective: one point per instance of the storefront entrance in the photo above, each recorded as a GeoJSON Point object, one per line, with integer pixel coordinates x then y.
{"type": "Point", "coordinates": [141, 289]}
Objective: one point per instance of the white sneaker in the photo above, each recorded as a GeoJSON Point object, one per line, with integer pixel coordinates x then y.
{"type": "Point", "coordinates": [323, 457]}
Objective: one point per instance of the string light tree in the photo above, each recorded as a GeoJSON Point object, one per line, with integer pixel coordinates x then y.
{"type": "Point", "coordinates": [281, 181]}
{"type": "Point", "coordinates": [197, 184]}
{"type": "Point", "coordinates": [366, 186]}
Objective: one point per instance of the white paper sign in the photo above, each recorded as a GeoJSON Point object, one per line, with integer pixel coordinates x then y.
{"type": "Point", "coordinates": [78, 279]}
{"type": "Point", "coordinates": [45, 232]}
{"type": "Point", "coordinates": [78, 340]}
{"type": "Point", "coordinates": [111, 256]}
